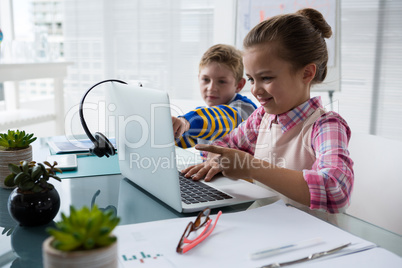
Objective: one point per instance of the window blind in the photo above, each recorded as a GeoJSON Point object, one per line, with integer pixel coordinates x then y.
{"type": "Point", "coordinates": [371, 60]}
{"type": "Point", "coordinates": [157, 42]}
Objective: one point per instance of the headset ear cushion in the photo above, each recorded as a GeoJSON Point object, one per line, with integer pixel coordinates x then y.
{"type": "Point", "coordinates": [103, 146]}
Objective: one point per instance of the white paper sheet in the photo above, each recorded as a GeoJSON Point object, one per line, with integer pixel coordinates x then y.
{"type": "Point", "coordinates": [237, 235]}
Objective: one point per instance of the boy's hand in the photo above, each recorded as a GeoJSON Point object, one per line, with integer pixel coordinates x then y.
{"type": "Point", "coordinates": [180, 125]}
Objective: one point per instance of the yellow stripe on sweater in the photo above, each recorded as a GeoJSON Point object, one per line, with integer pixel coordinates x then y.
{"type": "Point", "coordinates": [213, 126]}
{"type": "Point", "coordinates": [205, 124]}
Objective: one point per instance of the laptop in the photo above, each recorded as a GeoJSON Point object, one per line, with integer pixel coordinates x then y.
{"type": "Point", "coordinates": [147, 154]}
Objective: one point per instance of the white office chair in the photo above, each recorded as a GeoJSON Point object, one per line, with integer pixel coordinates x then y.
{"type": "Point", "coordinates": [377, 193]}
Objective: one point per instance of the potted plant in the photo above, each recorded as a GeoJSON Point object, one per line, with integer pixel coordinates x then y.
{"type": "Point", "coordinates": [35, 201]}
{"type": "Point", "coordinates": [83, 239]}
{"type": "Point", "coordinates": [15, 146]}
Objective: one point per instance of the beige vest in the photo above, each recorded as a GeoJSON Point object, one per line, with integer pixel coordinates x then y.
{"type": "Point", "coordinates": [291, 150]}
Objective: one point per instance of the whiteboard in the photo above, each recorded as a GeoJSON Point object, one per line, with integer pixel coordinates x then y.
{"type": "Point", "coordinates": [252, 12]}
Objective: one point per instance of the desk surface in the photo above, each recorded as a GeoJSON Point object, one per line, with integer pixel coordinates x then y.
{"type": "Point", "coordinates": [21, 246]}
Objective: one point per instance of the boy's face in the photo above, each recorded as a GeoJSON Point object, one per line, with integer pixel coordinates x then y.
{"type": "Point", "coordinates": [217, 84]}
{"type": "Point", "coordinates": [274, 83]}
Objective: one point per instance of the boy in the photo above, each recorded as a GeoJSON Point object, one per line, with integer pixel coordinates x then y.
{"type": "Point", "coordinates": [220, 79]}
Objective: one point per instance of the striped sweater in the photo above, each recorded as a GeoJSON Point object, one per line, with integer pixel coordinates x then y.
{"type": "Point", "coordinates": [210, 123]}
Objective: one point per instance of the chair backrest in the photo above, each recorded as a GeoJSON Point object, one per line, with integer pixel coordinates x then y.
{"type": "Point", "coordinates": [377, 193]}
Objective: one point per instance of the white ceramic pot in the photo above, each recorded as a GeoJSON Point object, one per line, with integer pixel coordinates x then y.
{"type": "Point", "coordinates": [105, 257]}
{"type": "Point", "coordinates": [14, 156]}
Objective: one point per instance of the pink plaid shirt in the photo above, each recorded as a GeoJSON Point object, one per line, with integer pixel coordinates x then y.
{"type": "Point", "coordinates": [330, 179]}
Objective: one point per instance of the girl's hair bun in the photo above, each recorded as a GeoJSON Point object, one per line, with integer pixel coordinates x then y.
{"type": "Point", "coordinates": [317, 20]}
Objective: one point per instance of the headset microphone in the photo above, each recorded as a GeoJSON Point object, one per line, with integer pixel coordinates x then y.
{"type": "Point", "coordinates": [102, 146]}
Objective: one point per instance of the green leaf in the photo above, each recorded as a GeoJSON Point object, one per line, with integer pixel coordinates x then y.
{"type": "Point", "coordinates": [63, 241]}
{"type": "Point", "coordinates": [106, 241]}
{"type": "Point", "coordinates": [14, 168]}
{"type": "Point", "coordinates": [58, 170]}
{"type": "Point", "coordinates": [3, 142]}
{"type": "Point", "coordinates": [55, 177]}
{"type": "Point", "coordinates": [25, 166]}
{"type": "Point", "coordinates": [26, 186]}
{"type": "Point", "coordinates": [29, 141]}
{"type": "Point", "coordinates": [104, 231]}
{"type": "Point", "coordinates": [45, 176]}
{"type": "Point", "coordinates": [20, 177]}
{"type": "Point", "coordinates": [63, 217]}
{"type": "Point", "coordinates": [9, 180]}
{"type": "Point", "coordinates": [89, 243]}
{"type": "Point", "coordinates": [42, 167]}
{"type": "Point", "coordinates": [36, 172]}
{"type": "Point", "coordinates": [78, 236]}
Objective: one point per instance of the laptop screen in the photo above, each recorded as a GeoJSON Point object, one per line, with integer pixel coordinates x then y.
{"type": "Point", "coordinates": [145, 142]}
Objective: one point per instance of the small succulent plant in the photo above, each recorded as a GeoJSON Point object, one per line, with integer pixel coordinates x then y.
{"type": "Point", "coordinates": [15, 140]}
{"type": "Point", "coordinates": [84, 229]}
{"type": "Point", "coordinates": [32, 176]}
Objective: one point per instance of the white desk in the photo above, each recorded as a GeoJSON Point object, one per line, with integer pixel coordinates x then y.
{"type": "Point", "coordinates": [15, 72]}
{"type": "Point", "coordinates": [23, 246]}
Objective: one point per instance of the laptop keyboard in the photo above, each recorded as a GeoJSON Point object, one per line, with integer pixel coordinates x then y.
{"type": "Point", "coordinates": [193, 192]}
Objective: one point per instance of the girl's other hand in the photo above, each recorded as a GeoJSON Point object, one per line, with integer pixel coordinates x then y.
{"type": "Point", "coordinates": [234, 164]}
{"type": "Point", "coordinates": [206, 170]}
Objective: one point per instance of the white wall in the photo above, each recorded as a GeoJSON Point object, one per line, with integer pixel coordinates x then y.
{"type": "Point", "coordinates": [376, 197]}
{"type": "Point", "coordinates": [225, 22]}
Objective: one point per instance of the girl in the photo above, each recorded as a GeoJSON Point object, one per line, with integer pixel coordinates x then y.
{"type": "Point", "coordinates": [290, 143]}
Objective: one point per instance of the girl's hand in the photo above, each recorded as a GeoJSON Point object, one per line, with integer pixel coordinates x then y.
{"type": "Point", "coordinates": [180, 125]}
{"type": "Point", "coordinates": [237, 164]}
{"type": "Point", "coordinates": [206, 170]}
{"type": "Point", "coordinates": [232, 163]}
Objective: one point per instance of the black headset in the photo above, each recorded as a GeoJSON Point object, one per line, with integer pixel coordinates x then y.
{"type": "Point", "coordinates": [102, 146]}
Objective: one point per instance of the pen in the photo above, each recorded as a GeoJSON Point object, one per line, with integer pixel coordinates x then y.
{"type": "Point", "coordinates": [286, 247]}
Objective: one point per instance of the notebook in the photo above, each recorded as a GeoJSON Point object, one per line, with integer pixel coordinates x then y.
{"type": "Point", "coordinates": [147, 155]}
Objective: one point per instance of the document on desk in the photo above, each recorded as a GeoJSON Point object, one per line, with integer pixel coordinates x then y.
{"type": "Point", "coordinates": [63, 145]}
{"type": "Point", "coordinates": [238, 234]}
